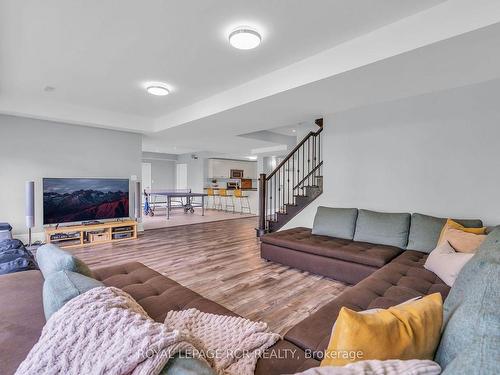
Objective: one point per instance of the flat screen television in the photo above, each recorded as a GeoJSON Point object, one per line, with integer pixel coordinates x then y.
{"type": "Point", "coordinates": [69, 200]}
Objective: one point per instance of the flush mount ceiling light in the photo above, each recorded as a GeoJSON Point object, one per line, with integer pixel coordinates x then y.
{"type": "Point", "coordinates": [252, 157]}
{"type": "Point", "coordinates": [244, 38]}
{"type": "Point", "coordinates": [158, 89]}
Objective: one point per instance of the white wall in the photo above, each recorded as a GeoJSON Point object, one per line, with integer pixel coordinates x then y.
{"type": "Point", "coordinates": [196, 171]}
{"type": "Point", "coordinates": [31, 149]}
{"type": "Point", "coordinates": [437, 154]}
{"type": "Point", "coordinates": [162, 173]}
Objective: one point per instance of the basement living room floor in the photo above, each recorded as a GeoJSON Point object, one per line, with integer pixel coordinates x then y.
{"type": "Point", "coordinates": [221, 261]}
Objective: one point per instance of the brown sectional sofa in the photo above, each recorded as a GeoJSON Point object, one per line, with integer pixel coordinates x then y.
{"type": "Point", "coordinates": [386, 275]}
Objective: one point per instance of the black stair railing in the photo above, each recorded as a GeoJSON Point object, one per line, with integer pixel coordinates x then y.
{"type": "Point", "coordinates": [278, 192]}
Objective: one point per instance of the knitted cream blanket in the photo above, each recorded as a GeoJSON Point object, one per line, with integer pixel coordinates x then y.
{"type": "Point", "coordinates": [231, 345]}
{"type": "Point", "coordinates": [104, 331]}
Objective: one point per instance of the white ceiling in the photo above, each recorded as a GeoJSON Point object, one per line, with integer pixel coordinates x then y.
{"type": "Point", "coordinates": [98, 54]}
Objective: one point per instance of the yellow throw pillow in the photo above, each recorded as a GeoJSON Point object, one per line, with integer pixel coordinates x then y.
{"type": "Point", "coordinates": [410, 330]}
{"type": "Point", "coordinates": [450, 224]}
{"type": "Point", "coordinates": [462, 239]}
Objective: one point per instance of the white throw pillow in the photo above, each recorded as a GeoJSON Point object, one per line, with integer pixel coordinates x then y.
{"type": "Point", "coordinates": [389, 367]}
{"type": "Point", "coordinates": [446, 263]}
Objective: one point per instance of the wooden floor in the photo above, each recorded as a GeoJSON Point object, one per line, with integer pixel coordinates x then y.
{"type": "Point", "coordinates": [221, 261]}
{"type": "Point", "coordinates": [179, 218]}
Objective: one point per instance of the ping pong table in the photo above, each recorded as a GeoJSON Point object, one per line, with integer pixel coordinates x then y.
{"type": "Point", "coordinates": [171, 199]}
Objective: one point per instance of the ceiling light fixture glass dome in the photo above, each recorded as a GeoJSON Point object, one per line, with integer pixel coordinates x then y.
{"type": "Point", "coordinates": [244, 37]}
{"type": "Point", "coordinates": [158, 90]}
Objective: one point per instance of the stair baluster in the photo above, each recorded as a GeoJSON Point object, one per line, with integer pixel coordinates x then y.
{"type": "Point", "coordinates": [282, 197]}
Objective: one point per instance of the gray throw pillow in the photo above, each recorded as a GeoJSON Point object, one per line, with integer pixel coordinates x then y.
{"type": "Point", "coordinates": [61, 287]}
{"type": "Point", "coordinates": [382, 228]}
{"type": "Point", "coordinates": [470, 340]}
{"type": "Point", "coordinates": [335, 222]}
{"type": "Point", "coordinates": [425, 231]}
{"type": "Point", "coordinates": [51, 258]}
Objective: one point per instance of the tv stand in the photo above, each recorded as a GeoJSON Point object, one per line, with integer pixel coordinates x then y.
{"type": "Point", "coordinates": [91, 234]}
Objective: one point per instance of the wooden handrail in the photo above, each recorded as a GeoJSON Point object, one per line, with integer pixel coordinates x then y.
{"type": "Point", "coordinates": [309, 174]}
{"type": "Point", "coordinates": [290, 154]}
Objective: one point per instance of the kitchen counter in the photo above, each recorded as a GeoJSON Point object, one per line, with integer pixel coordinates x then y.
{"type": "Point", "coordinates": [252, 194]}
{"type": "Point", "coordinates": [218, 188]}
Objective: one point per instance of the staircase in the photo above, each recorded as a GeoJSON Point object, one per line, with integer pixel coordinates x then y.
{"type": "Point", "coordinates": [293, 185]}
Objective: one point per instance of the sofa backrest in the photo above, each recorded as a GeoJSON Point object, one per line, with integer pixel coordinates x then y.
{"type": "Point", "coordinates": [335, 222]}
{"type": "Point", "coordinates": [416, 232]}
{"type": "Point", "coordinates": [382, 228]}
{"type": "Point", "coordinates": [425, 231]}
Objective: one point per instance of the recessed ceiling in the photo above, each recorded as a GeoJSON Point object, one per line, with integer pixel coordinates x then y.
{"type": "Point", "coordinates": [98, 54]}
{"type": "Point", "coordinates": [465, 60]}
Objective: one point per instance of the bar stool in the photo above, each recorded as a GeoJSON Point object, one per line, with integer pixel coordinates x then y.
{"type": "Point", "coordinates": [225, 200]}
{"type": "Point", "coordinates": [238, 194]}
{"type": "Point", "coordinates": [211, 193]}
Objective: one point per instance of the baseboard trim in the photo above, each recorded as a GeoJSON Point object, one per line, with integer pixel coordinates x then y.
{"type": "Point", "coordinates": [35, 236]}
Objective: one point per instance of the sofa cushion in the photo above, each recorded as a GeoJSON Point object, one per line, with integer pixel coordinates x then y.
{"type": "Point", "coordinates": [335, 222]}
{"type": "Point", "coordinates": [302, 239]}
{"type": "Point", "coordinates": [400, 280]}
{"type": "Point", "coordinates": [156, 293]}
{"type": "Point", "coordinates": [61, 287]}
{"type": "Point", "coordinates": [51, 258]}
{"type": "Point", "coordinates": [470, 339]}
{"type": "Point", "coordinates": [382, 228]}
{"type": "Point", "coordinates": [425, 231]}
